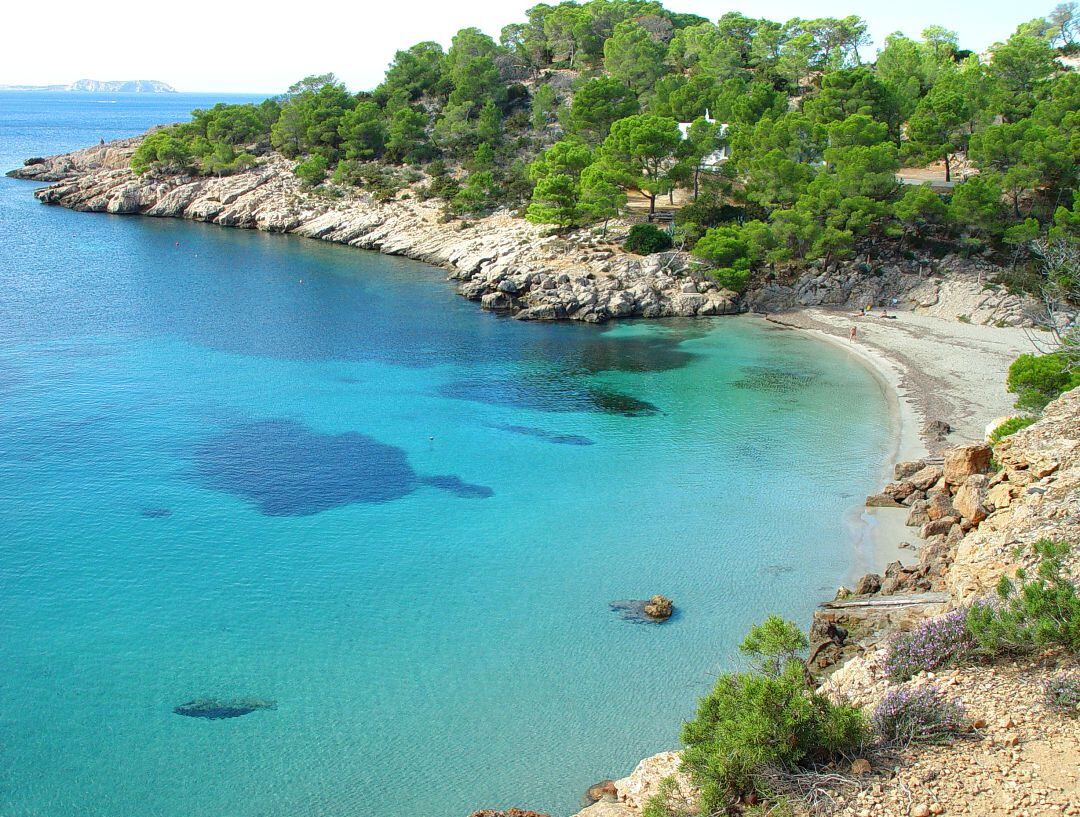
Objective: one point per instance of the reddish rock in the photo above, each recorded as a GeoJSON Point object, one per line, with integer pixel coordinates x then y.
{"type": "Point", "coordinates": [870, 583]}
{"type": "Point", "coordinates": [938, 526]}
{"type": "Point", "coordinates": [963, 461]}
{"type": "Point", "coordinates": [927, 477]}
{"type": "Point", "coordinates": [939, 506]}
{"type": "Point", "coordinates": [905, 468]}
{"type": "Point", "coordinates": [918, 516]}
{"type": "Point", "coordinates": [899, 491]}
{"type": "Point", "coordinates": [605, 789]}
{"type": "Point", "coordinates": [882, 501]}
{"type": "Point", "coordinates": [970, 499]}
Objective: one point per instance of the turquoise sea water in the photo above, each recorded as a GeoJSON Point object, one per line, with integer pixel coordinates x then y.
{"type": "Point", "coordinates": [235, 464]}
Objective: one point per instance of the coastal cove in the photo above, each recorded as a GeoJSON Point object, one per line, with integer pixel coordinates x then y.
{"type": "Point", "coordinates": [433, 626]}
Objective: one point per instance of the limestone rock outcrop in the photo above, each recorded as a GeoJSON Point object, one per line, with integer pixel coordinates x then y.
{"type": "Point", "coordinates": [971, 519]}
{"type": "Point", "coordinates": [949, 288]}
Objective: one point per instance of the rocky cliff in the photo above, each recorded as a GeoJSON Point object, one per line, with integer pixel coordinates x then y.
{"type": "Point", "coordinates": [506, 263]}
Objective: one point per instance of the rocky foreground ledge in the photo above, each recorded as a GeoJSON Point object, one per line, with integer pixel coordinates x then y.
{"type": "Point", "coordinates": [507, 264]}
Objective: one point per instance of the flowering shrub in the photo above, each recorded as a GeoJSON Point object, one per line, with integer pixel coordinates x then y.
{"type": "Point", "coordinates": [923, 714]}
{"type": "Point", "coordinates": [1063, 693]}
{"type": "Point", "coordinates": [932, 644]}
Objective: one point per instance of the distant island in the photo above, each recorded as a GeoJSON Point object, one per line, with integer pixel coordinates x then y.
{"type": "Point", "coordinates": [113, 86]}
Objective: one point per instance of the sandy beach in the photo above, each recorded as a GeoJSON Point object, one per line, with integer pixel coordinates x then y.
{"type": "Point", "coordinates": [929, 369]}
{"type": "Point", "coordinates": [939, 369]}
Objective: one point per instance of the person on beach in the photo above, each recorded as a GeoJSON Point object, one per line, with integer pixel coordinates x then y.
{"type": "Point", "coordinates": [852, 335]}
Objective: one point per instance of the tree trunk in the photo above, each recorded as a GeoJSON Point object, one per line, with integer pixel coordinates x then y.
{"type": "Point", "coordinates": [948, 169]}
{"type": "Point", "coordinates": [652, 205]}
{"type": "Point", "coordinates": [697, 175]}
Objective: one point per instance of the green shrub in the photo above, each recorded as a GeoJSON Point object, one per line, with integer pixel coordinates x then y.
{"type": "Point", "coordinates": [1010, 426]}
{"type": "Point", "coordinates": [773, 644]}
{"type": "Point", "coordinates": [1020, 281]}
{"type": "Point", "coordinates": [164, 149]}
{"type": "Point", "coordinates": [1038, 379]}
{"type": "Point", "coordinates": [764, 719]}
{"type": "Point", "coordinates": [722, 247]}
{"type": "Point", "coordinates": [312, 171]}
{"type": "Point", "coordinates": [733, 278]}
{"type": "Point", "coordinates": [645, 239]}
{"type": "Point", "coordinates": [664, 802]}
{"type": "Point", "coordinates": [1038, 613]}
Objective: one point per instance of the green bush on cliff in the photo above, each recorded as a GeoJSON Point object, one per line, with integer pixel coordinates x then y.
{"type": "Point", "coordinates": [735, 278]}
{"type": "Point", "coordinates": [645, 239]}
{"type": "Point", "coordinates": [1030, 614]}
{"type": "Point", "coordinates": [211, 143]}
{"type": "Point", "coordinates": [664, 802]}
{"type": "Point", "coordinates": [766, 719]}
{"type": "Point", "coordinates": [1009, 427]}
{"type": "Point", "coordinates": [162, 149]}
{"type": "Point", "coordinates": [312, 171]}
{"type": "Point", "coordinates": [1038, 379]}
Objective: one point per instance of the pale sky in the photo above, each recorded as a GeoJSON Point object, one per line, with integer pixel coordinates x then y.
{"type": "Point", "coordinates": [228, 46]}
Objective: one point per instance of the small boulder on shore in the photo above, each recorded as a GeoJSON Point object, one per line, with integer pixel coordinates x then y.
{"type": "Point", "coordinates": [604, 790]}
{"type": "Point", "coordinates": [965, 460]}
{"type": "Point", "coordinates": [868, 584]}
{"type": "Point", "coordinates": [882, 500]}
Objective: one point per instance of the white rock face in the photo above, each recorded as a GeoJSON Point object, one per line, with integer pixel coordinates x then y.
{"type": "Point", "coordinates": [505, 263]}
{"type": "Point", "coordinates": [644, 780]}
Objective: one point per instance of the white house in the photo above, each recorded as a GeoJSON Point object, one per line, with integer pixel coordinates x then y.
{"type": "Point", "coordinates": [712, 161]}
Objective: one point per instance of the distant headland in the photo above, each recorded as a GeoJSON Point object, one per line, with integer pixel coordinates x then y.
{"type": "Point", "coordinates": [115, 86]}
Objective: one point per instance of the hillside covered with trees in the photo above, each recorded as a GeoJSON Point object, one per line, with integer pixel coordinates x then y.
{"type": "Point", "coordinates": [579, 106]}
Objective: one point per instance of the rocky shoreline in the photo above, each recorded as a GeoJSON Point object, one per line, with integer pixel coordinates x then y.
{"type": "Point", "coordinates": [507, 264]}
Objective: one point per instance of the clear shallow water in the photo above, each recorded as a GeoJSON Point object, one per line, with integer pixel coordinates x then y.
{"type": "Point", "coordinates": [399, 517]}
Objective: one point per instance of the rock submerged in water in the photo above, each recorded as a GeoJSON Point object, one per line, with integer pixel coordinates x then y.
{"type": "Point", "coordinates": [654, 610]}
{"type": "Point", "coordinates": [214, 709]}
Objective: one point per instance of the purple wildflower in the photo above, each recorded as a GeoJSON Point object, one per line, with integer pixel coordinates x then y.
{"type": "Point", "coordinates": [1063, 693]}
{"type": "Point", "coordinates": [935, 643]}
{"type": "Point", "coordinates": [922, 714]}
